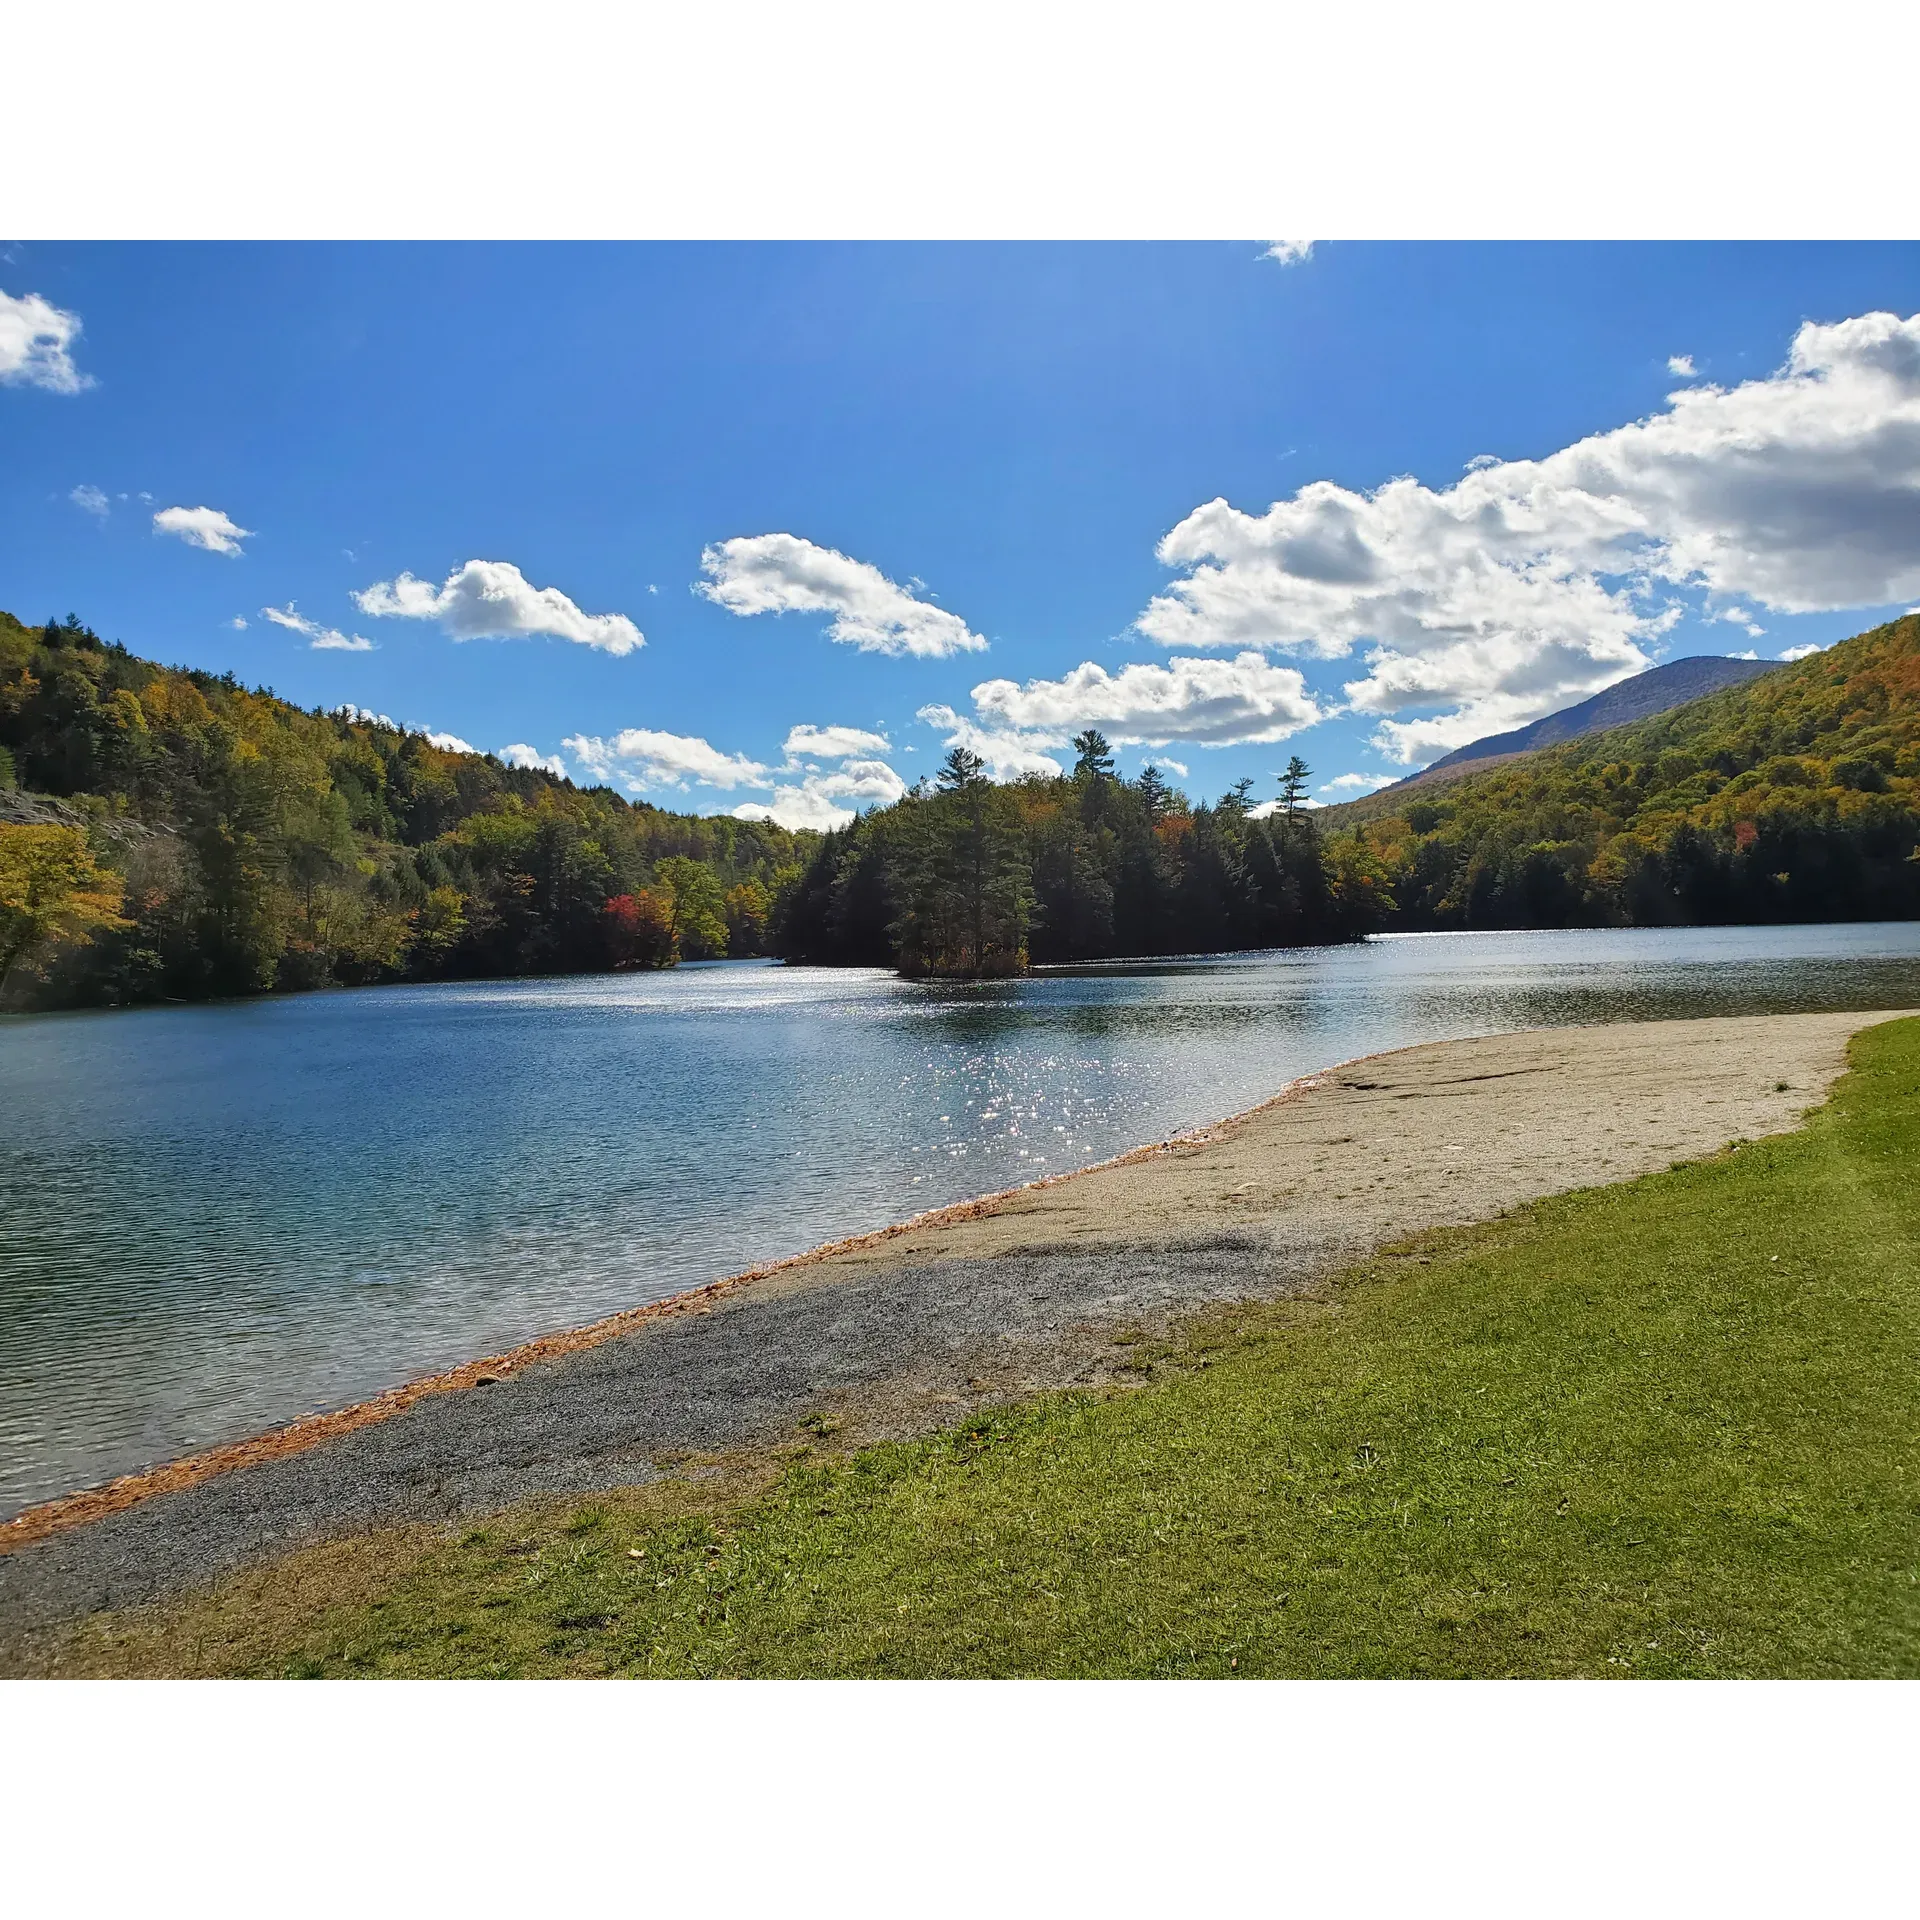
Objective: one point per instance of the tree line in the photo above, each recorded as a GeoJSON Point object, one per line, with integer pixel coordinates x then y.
{"type": "Point", "coordinates": [167, 834]}
{"type": "Point", "coordinates": [971, 879]}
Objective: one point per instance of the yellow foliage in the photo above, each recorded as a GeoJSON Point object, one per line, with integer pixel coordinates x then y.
{"type": "Point", "coordinates": [52, 888]}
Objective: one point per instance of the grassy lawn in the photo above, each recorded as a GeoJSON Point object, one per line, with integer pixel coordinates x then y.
{"type": "Point", "coordinates": [1661, 1429]}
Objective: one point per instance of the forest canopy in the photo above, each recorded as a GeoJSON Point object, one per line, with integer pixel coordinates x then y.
{"type": "Point", "coordinates": [1793, 797]}
{"type": "Point", "coordinates": [250, 845]}
{"type": "Point", "coordinates": [169, 834]}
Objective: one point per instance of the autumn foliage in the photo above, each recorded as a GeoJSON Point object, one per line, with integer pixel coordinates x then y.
{"type": "Point", "coordinates": [248, 845]}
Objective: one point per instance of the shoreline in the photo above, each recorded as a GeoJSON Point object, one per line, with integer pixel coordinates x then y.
{"type": "Point", "coordinates": [983, 1301]}
{"type": "Point", "coordinates": [86, 1504]}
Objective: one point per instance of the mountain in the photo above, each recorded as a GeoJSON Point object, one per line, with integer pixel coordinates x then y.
{"type": "Point", "coordinates": [1793, 795]}
{"type": "Point", "coordinates": [1639, 698]}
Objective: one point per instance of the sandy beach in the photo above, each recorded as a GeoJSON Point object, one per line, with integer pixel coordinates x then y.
{"type": "Point", "coordinates": [915, 1326]}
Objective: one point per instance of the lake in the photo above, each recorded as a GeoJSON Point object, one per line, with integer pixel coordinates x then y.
{"type": "Point", "coordinates": [215, 1218]}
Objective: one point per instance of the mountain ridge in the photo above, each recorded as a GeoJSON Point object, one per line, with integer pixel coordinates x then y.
{"type": "Point", "coordinates": [1641, 696]}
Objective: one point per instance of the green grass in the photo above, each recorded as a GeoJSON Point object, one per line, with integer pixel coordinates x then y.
{"type": "Point", "coordinates": [1660, 1429]}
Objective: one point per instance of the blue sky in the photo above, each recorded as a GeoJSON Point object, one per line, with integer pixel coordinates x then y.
{"type": "Point", "coordinates": [975, 453]}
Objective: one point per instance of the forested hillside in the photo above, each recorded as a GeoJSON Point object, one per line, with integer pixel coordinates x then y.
{"type": "Point", "coordinates": [166, 834]}
{"type": "Point", "coordinates": [1796, 797]}
{"type": "Point", "coordinates": [202, 839]}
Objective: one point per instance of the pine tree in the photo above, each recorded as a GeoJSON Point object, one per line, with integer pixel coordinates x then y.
{"type": "Point", "coordinates": [1095, 759]}
{"type": "Point", "coordinates": [1293, 786]}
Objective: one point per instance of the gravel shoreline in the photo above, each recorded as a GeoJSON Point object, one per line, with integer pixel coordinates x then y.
{"type": "Point", "coordinates": [909, 1329]}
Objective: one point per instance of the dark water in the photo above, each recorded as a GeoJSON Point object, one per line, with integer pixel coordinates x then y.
{"type": "Point", "coordinates": [215, 1218]}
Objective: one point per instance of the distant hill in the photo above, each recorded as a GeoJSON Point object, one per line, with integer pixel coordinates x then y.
{"type": "Point", "coordinates": [1657, 690]}
{"type": "Point", "coordinates": [1791, 795]}
{"type": "Point", "coordinates": [254, 845]}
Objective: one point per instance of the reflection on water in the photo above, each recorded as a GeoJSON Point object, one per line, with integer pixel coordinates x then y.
{"type": "Point", "coordinates": [215, 1218]}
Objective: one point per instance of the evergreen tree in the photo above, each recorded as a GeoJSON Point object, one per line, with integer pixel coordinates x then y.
{"type": "Point", "coordinates": [1293, 787]}
{"type": "Point", "coordinates": [1155, 796]}
{"type": "Point", "coordinates": [1093, 759]}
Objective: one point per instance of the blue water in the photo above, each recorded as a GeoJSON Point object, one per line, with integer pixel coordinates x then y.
{"type": "Point", "coordinates": [215, 1218]}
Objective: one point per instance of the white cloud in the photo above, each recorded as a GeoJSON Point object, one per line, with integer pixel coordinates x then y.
{"type": "Point", "coordinates": [1268, 808]}
{"type": "Point", "coordinates": [238, 623]}
{"type": "Point", "coordinates": [642, 758]}
{"type": "Point", "coordinates": [449, 743]}
{"type": "Point", "coordinates": [204, 527]}
{"type": "Point", "coordinates": [1803, 653]}
{"type": "Point", "coordinates": [367, 717]}
{"type": "Point", "coordinates": [1680, 365]}
{"type": "Point", "coordinates": [866, 780]}
{"type": "Point", "coordinates": [797, 809]}
{"type": "Point", "coordinates": [1290, 253]}
{"type": "Point", "coordinates": [1480, 460]}
{"type": "Point", "coordinates": [1739, 617]}
{"type": "Point", "coordinates": [823, 801]}
{"type": "Point", "coordinates": [781, 573]}
{"type": "Point", "coordinates": [1359, 782]}
{"type": "Point", "coordinates": [322, 639]}
{"type": "Point", "coordinates": [36, 340]}
{"type": "Point", "coordinates": [1008, 753]}
{"type": "Point", "coordinates": [1749, 654]}
{"type": "Point", "coordinates": [522, 755]}
{"type": "Point", "coordinates": [493, 599]}
{"type": "Point", "coordinates": [1172, 766]}
{"type": "Point", "coordinates": [1210, 703]}
{"type": "Point", "coordinates": [833, 743]}
{"type": "Point", "coordinates": [1530, 583]}
{"type": "Point", "coordinates": [91, 500]}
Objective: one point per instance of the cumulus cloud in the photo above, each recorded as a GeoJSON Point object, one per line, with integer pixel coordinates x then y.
{"type": "Point", "coordinates": [522, 755]}
{"type": "Point", "coordinates": [1210, 703]}
{"type": "Point", "coordinates": [323, 639]}
{"type": "Point", "coordinates": [1359, 782]}
{"type": "Point", "coordinates": [1290, 253]}
{"type": "Point", "coordinates": [1740, 617]}
{"type": "Point", "coordinates": [1007, 752]}
{"type": "Point", "coordinates": [1530, 583]}
{"type": "Point", "coordinates": [238, 623]}
{"type": "Point", "coordinates": [798, 810]}
{"type": "Point", "coordinates": [449, 743]}
{"type": "Point", "coordinates": [204, 527]}
{"type": "Point", "coordinates": [1803, 653]}
{"type": "Point", "coordinates": [365, 716]}
{"type": "Point", "coordinates": [824, 801]}
{"type": "Point", "coordinates": [641, 758]}
{"type": "Point", "coordinates": [493, 599]}
{"type": "Point", "coordinates": [1172, 766]}
{"type": "Point", "coordinates": [781, 573]}
{"type": "Point", "coordinates": [36, 342]}
{"type": "Point", "coordinates": [833, 743]}
{"type": "Point", "coordinates": [1680, 365]}
{"type": "Point", "coordinates": [91, 500]}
